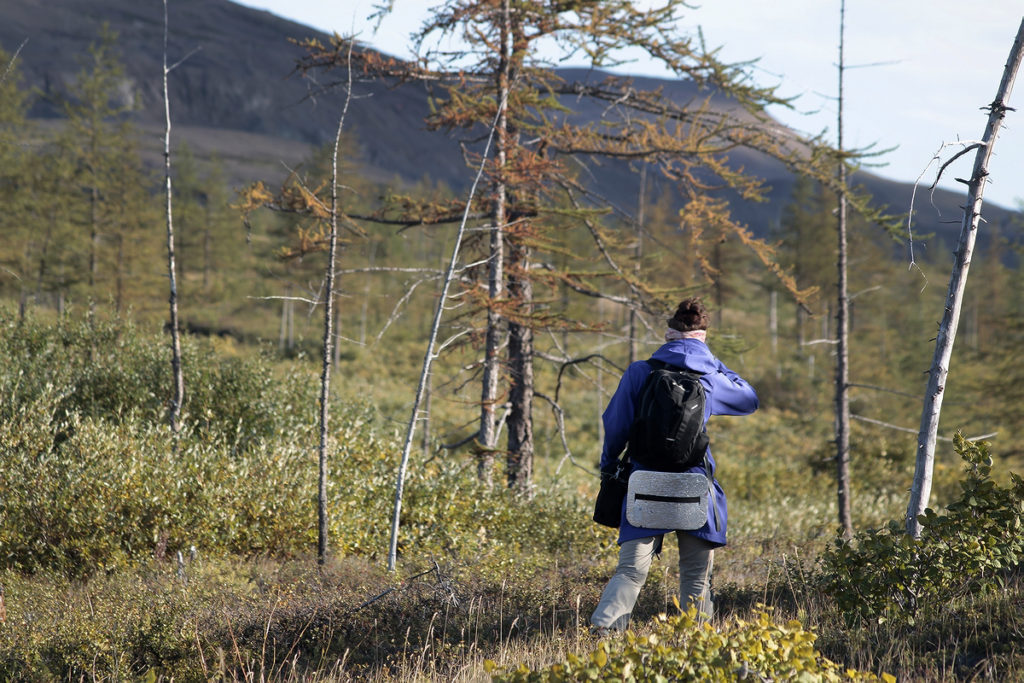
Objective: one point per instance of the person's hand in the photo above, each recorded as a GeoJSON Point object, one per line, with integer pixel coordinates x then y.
{"type": "Point", "coordinates": [613, 470]}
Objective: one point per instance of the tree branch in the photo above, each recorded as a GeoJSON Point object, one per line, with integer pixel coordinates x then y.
{"type": "Point", "coordinates": [914, 431]}
{"type": "Point", "coordinates": [10, 63]}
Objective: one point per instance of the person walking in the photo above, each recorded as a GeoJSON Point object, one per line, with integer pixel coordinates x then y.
{"type": "Point", "coordinates": [726, 394]}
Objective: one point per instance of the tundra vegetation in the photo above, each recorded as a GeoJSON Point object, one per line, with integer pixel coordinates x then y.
{"type": "Point", "coordinates": [128, 551]}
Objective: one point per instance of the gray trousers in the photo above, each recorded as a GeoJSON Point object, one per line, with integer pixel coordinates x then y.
{"type": "Point", "coordinates": [696, 557]}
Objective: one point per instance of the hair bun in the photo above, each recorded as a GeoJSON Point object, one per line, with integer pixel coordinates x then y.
{"type": "Point", "coordinates": [690, 315]}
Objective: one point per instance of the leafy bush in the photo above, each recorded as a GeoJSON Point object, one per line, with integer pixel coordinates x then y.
{"type": "Point", "coordinates": [679, 648]}
{"type": "Point", "coordinates": [448, 512]}
{"type": "Point", "coordinates": [886, 575]}
{"type": "Point", "coordinates": [111, 371]}
{"type": "Point", "coordinates": [93, 480]}
{"type": "Point", "coordinates": [110, 495]}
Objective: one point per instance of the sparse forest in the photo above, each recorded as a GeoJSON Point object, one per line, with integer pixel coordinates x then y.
{"type": "Point", "coordinates": [133, 551]}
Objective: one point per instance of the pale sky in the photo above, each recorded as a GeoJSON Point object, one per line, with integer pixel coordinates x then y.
{"type": "Point", "coordinates": [919, 70]}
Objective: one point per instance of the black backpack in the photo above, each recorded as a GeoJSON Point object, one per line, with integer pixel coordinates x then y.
{"type": "Point", "coordinates": [668, 432]}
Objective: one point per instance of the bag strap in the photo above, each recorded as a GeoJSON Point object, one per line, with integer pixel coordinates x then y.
{"type": "Point", "coordinates": [711, 492]}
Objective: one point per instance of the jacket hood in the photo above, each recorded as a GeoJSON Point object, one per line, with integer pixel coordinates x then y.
{"type": "Point", "coordinates": [688, 353]}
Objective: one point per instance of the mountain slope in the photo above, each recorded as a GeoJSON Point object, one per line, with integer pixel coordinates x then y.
{"type": "Point", "coordinates": [235, 94]}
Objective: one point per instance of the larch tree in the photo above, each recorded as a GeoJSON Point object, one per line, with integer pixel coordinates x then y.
{"type": "Point", "coordinates": [217, 220]}
{"type": "Point", "coordinates": [539, 144]}
{"type": "Point", "coordinates": [83, 195]}
{"type": "Point", "coordinates": [98, 137]}
{"type": "Point", "coordinates": [804, 248]}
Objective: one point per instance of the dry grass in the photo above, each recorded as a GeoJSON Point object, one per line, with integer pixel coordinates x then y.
{"type": "Point", "coordinates": [287, 620]}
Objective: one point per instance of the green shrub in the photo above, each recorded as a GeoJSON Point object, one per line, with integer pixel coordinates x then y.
{"type": "Point", "coordinates": [886, 575]}
{"type": "Point", "coordinates": [93, 479]}
{"type": "Point", "coordinates": [448, 512]}
{"type": "Point", "coordinates": [109, 370]}
{"type": "Point", "coordinates": [679, 648]}
{"type": "Point", "coordinates": [112, 494]}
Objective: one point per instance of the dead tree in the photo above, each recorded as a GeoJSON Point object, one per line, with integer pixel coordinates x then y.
{"type": "Point", "coordinates": [430, 354]}
{"type": "Point", "coordinates": [174, 414]}
{"type": "Point", "coordinates": [921, 489]}
{"type": "Point", "coordinates": [842, 320]}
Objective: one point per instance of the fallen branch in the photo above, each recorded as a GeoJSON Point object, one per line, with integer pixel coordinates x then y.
{"type": "Point", "coordinates": [402, 585]}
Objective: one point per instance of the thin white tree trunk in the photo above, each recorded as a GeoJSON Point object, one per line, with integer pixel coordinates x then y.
{"type": "Point", "coordinates": [842, 323]}
{"type": "Point", "coordinates": [921, 489]}
{"type": "Point", "coordinates": [328, 339]}
{"type": "Point", "coordinates": [174, 414]}
{"type": "Point", "coordinates": [337, 336]}
{"type": "Point", "coordinates": [282, 338]}
{"type": "Point", "coordinates": [428, 356]}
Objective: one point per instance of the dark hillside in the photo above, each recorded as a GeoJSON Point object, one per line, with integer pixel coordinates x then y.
{"type": "Point", "coordinates": [239, 80]}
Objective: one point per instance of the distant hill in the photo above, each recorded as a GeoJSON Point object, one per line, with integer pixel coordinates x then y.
{"type": "Point", "coordinates": [236, 96]}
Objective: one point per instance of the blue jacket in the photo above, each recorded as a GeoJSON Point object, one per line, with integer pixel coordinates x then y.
{"type": "Point", "coordinates": [727, 394]}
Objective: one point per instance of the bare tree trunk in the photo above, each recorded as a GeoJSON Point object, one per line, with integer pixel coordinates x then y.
{"type": "Point", "coordinates": [282, 335]}
{"type": "Point", "coordinates": [428, 356]}
{"type": "Point", "coordinates": [842, 324]}
{"type": "Point", "coordinates": [638, 252]}
{"type": "Point", "coordinates": [773, 330]}
{"type": "Point", "coordinates": [119, 282]}
{"type": "Point", "coordinates": [425, 436]}
{"type": "Point", "coordinates": [43, 269]}
{"type": "Point", "coordinates": [921, 489]}
{"type": "Point", "coordinates": [488, 438]}
{"type": "Point", "coordinates": [94, 238]}
{"type": "Point", "coordinates": [290, 341]}
{"type": "Point", "coordinates": [519, 459]}
{"type": "Point", "coordinates": [179, 379]}
{"type": "Point", "coordinates": [365, 315]}
{"type": "Point", "coordinates": [801, 316]}
{"type": "Point", "coordinates": [328, 337]}
{"type": "Point", "coordinates": [337, 339]}
{"type": "Point", "coordinates": [207, 243]}
{"type": "Point", "coordinates": [286, 333]}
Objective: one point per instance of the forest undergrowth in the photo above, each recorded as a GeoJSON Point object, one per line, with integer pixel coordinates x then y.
{"type": "Point", "coordinates": [127, 554]}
